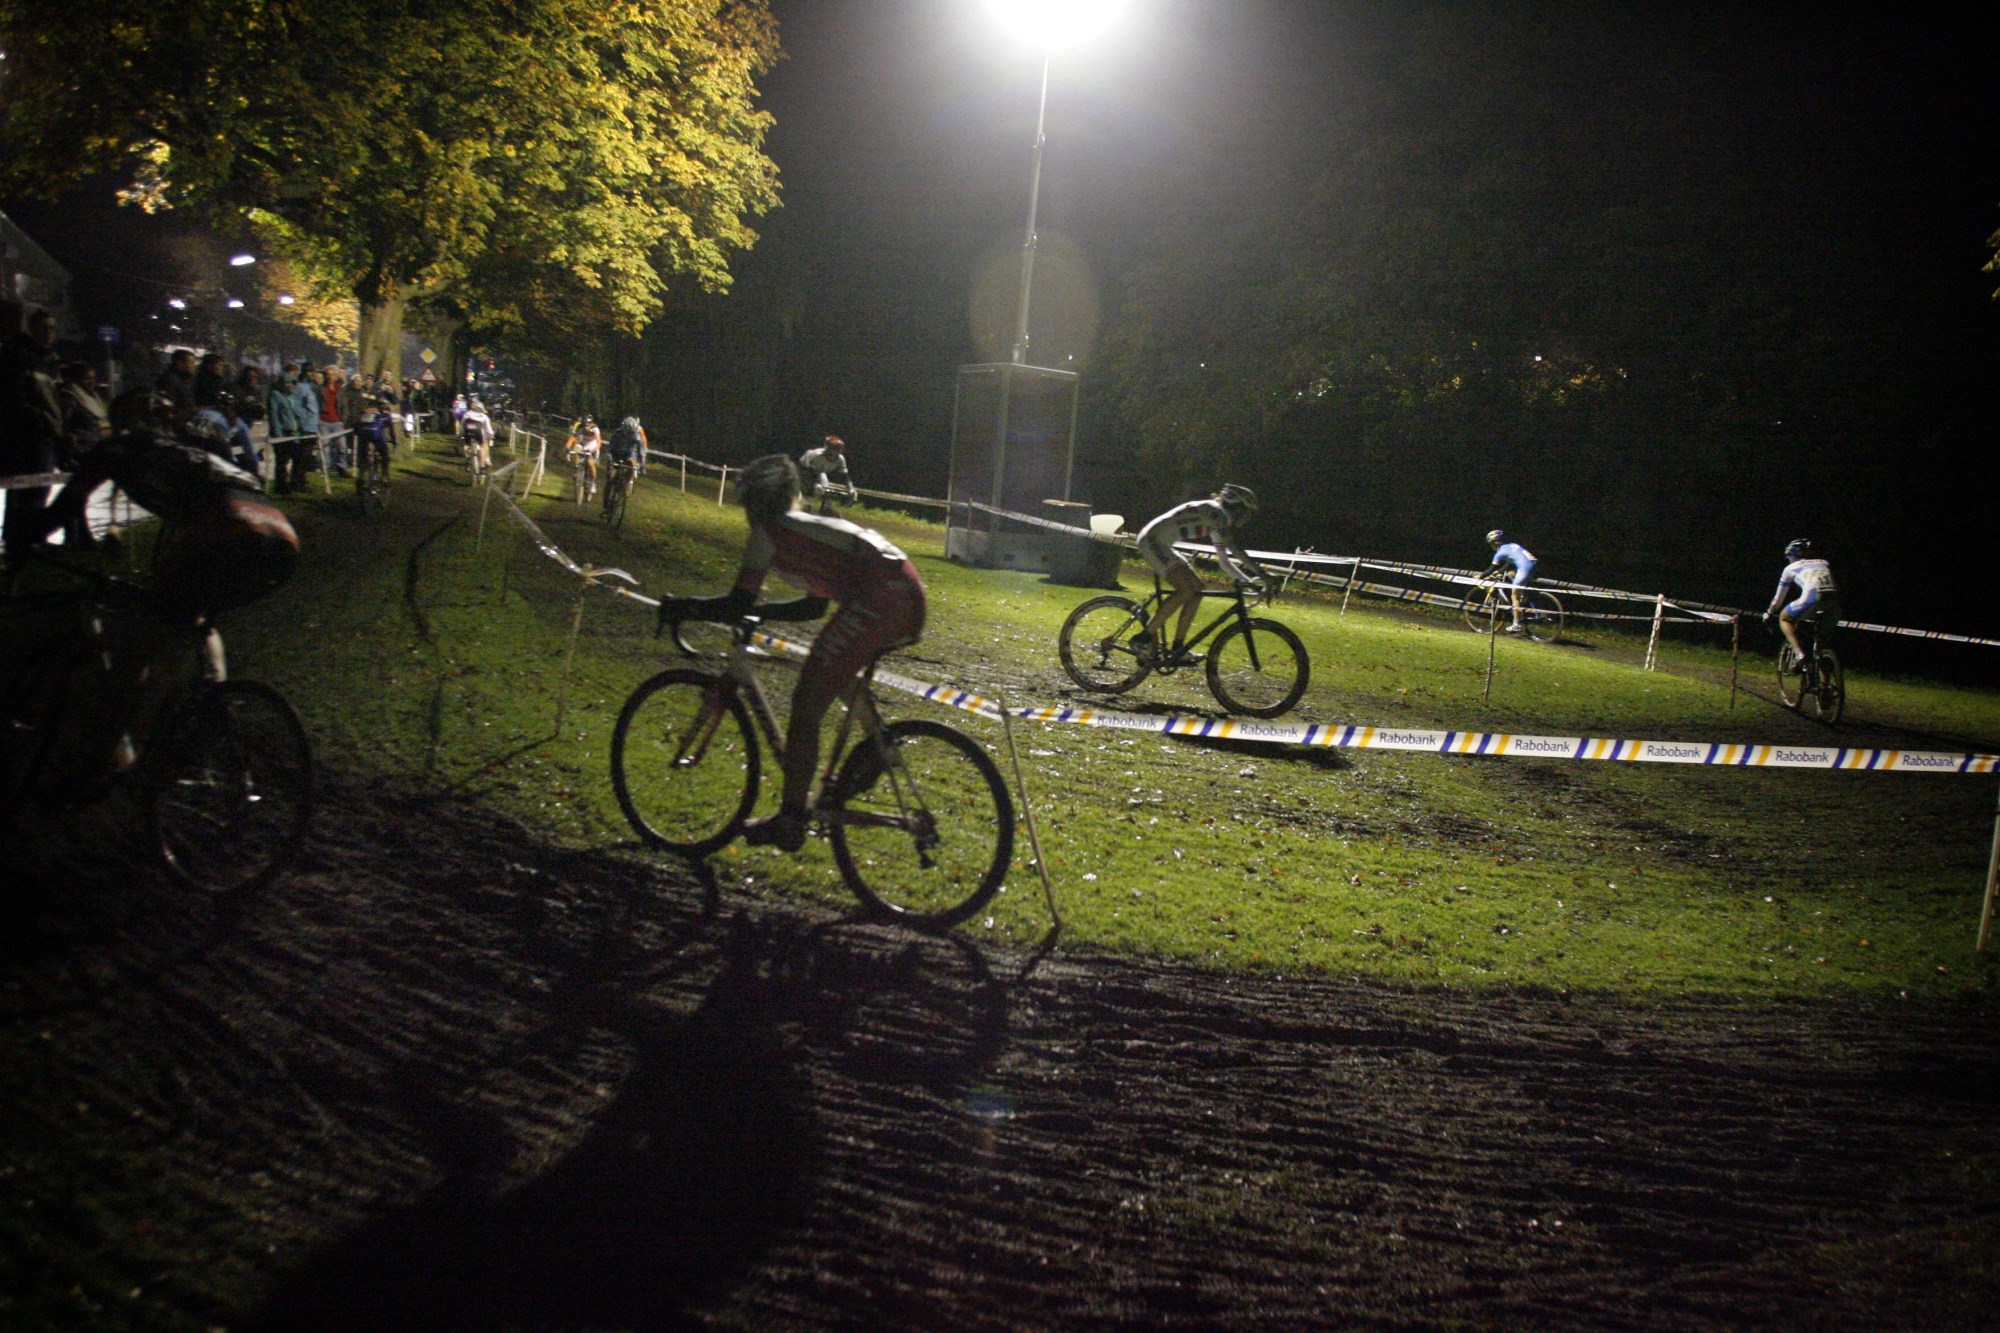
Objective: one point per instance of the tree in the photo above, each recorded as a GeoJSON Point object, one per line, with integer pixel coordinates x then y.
{"type": "Point", "coordinates": [521, 159]}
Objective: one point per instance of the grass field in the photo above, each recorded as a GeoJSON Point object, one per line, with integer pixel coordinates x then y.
{"type": "Point", "coordinates": [413, 644]}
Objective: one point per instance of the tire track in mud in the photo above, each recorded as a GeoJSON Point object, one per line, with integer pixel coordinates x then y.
{"type": "Point", "coordinates": [447, 1074]}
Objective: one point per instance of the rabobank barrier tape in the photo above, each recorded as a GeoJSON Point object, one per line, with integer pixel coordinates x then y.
{"type": "Point", "coordinates": [1348, 736]}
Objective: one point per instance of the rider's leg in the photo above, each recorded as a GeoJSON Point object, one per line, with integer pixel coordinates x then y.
{"type": "Point", "coordinates": [860, 631]}
{"type": "Point", "coordinates": [1185, 598]}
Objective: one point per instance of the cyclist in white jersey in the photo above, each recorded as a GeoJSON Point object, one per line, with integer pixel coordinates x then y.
{"type": "Point", "coordinates": [1213, 520]}
{"type": "Point", "coordinates": [1818, 596]}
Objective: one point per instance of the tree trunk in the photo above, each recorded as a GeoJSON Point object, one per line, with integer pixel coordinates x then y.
{"type": "Point", "coordinates": [382, 338]}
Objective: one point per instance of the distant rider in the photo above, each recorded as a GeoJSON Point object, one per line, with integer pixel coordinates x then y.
{"type": "Point", "coordinates": [1213, 520]}
{"type": "Point", "coordinates": [879, 605]}
{"type": "Point", "coordinates": [1817, 602]}
{"type": "Point", "coordinates": [824, 472]}
{"type": "Point", "coordinates": [1508, 553]}
{"type": "Point", "coordinates": [475, 431]}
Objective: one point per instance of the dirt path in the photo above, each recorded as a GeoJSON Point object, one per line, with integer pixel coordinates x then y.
{"type": "Point", "coordinates": [448, 1076]}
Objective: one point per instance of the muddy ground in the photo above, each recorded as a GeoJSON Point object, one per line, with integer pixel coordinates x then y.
{"type": "Point", "coordinates": [447, 1076]}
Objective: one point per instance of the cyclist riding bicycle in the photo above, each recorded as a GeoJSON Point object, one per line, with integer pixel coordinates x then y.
{"type": "Point", "coordinates": [878, 605]}
{"type": "Point", "coordinates": [1214, 520]}
{"type": "Point", "coordinates": [1509, 553]}
{"type": "Point", "coordinates": [627, 444]}
{"type": "Point", "coordinates": [825, 472]}
{"type": "Point", "coordinates": [224, 546]}
{"type": "Point", "coordinates": [373, 436]}
{"type": "Point", "coordinates": [586, 442]}
{"type": "Point", "coordinates": [475, 432]}
{"type": "Point", "coordinates": [1817, 602]}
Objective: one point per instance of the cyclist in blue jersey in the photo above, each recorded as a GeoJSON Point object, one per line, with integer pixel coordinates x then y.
{"type": "Point", "coordinates": [1212, 520]}
{"type": "Point", "coordinates": [1508, 552]}
{"type": "Point", "coordinates": [1817, 600]}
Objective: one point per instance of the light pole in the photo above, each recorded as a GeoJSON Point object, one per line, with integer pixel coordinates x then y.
{"type": "Point", "coordinates": [1050, 25]}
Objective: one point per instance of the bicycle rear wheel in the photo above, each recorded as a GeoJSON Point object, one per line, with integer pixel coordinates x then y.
{"type": "Point", "coordinates": [1828, 697]}
{"type": "Point", "coordinates": [1258, 668]}
{"type": "Point", "coordinates": [926, 837]}
{"type": "Point", "coordinates": [684, 761]}
{"type": "Point", "coordinates": [1096, 645]}
{"type": "Point", "coordinates": [1791, 676]}
{"type": "Point", "coordinates": [229, 786]}
{"type": "Point", "coordinates": [1541, 615]}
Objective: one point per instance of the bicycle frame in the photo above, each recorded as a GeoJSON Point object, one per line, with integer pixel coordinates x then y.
{"type": "Point", "coordinates": [1238, 610]}
{"type": "Point", "coordinates": [739, 676]}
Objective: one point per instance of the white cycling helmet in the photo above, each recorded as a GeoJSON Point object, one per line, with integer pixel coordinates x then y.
{"type": "Point", "coordinates": [1240, 501]}
{"type": "Point", "coordinates": [1495, 537]}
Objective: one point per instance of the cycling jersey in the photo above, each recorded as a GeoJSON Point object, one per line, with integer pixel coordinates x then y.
{"type": "Point", "coordinates": [476, 424]}
{"type": "Point", "coordinates": [226, 545]}
{"type": "Point", "coordinates": [1517, 555]}
{"type": "Point", "coordinates": [828, 557]}
{"type": "Point", "coordinates": [1813, 578]}
{"type": "Point", "coordinates": [627, 442]}
{"type": "Point", "coordinates": [589, 441]}
{"type": "Point", "coordinates": [880, 596]}
{"type": "Point", "coordinates": [825, 470]}
{"type": "Point", "coordinates": [1196, 521]}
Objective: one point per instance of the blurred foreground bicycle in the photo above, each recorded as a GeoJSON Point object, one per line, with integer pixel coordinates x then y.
{"type": "Point", "coordinates": [224, 774]}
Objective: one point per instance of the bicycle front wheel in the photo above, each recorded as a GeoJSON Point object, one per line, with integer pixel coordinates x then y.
{"type": "Point", "coordinates": [684, 761]}
{"type": "Point", "coordinates": [921, 823]}
{"type": "Point", "coordinates": [614, 505]}
{"type": "Point", "coordinates": [1096, 645]}
{"type": "Point", "coordinates": [1258, 668]}
{"type": "Point", "coordinates": [230, 786]}
{"type": "Point", "coordinates": [1541, 615]}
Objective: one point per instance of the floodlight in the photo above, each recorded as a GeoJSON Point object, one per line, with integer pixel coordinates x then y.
{"type": "Point", "coordinates": [235, 303]}
{"type": "Point", "coordinates": [286, 299]}
{"type": "Point", "coordinates": [1055, 24]}
{"type": "Point", "coordinates": [241, 261]}
{"type": "Point", "coordinates": [177, 303]}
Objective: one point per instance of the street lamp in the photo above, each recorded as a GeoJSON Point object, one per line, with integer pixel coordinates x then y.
{"type": "Point", "coordinates": [1052, 25]}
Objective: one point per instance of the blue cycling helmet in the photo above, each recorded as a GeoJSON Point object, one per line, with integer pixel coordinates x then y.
{"type": "Point", "coordinates": [1495, 537]}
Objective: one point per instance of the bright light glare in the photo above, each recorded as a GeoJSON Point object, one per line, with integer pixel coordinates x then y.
{"type": "Point", "coordinates": [241, 261]}
{"type": "Point", "coordinates": [1055, 24]}
{"type": "Point", "coordinates": [177, 303]}
{"type": "Point", "coordinates": [235, 303]}
{"type": "Point", "coordinates": [286, 299]}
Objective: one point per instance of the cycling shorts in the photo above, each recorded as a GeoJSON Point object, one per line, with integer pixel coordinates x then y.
{"type": "Point", "coordinates": [1813, 605]}
{"type": "Point", "coordinates": [1161, 557]}
{"type": "Point", "coordinates": [1522, 573]}
{"type": "Point", "coordinates": [888, 614]}
{"type": "Point", "coordinates": [227, 561]}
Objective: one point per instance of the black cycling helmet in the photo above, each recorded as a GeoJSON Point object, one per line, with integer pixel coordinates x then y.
{"type": "Point", "coordinates": [1495, 537]}
{"type": "Point", "coordinates": [1798, 548]}
{"type": "Point", "coordinates": [767, 487]}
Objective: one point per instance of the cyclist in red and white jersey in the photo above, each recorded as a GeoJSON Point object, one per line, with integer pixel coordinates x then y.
{"type": "Point", "coordinates": [878, 605]}
{"type": "Point", "coordinates": [1213, 520]}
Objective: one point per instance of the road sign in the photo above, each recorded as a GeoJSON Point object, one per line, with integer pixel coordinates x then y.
{"type": "Point", "coordinates": [427, 377]}
{"type": "Point", "coordinates": [428, 356]}
{"type": "Point", "coordinates": [107, 333]}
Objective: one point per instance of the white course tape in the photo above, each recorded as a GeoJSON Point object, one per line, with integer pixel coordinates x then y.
{"type": "Point", "coordinates": [1349, 736]}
